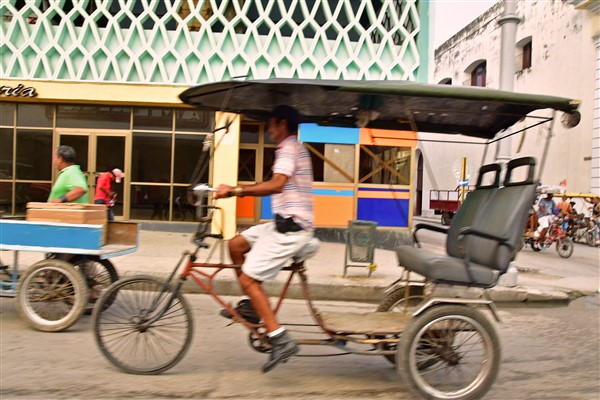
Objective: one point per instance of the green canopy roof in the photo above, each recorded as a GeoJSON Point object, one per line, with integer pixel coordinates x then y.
{"type": "Point", "coordinates": [395, 105]}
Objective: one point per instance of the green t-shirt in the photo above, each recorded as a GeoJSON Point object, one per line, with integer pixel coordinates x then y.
{"type": "Point", "coordinates": [69, 178]}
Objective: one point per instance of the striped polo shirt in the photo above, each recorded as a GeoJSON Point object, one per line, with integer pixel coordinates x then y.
{"type": "Point", "coordinates": [293, 160]}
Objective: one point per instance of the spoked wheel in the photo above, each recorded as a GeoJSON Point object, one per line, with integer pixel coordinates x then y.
{"type": "Point", "coordinates": [51, 295]}
{"type": "Point", "coordinates": [258, 344]}
{"type": "Point", "coordinates": [463, 344]}
{"type": "Point", "coordinates": [99, 274]}
{"type": "Point", "coordinates": [565, 247]}
{"type": "Point", "coordinates": [399, 302]}
{"type": "Point", "coordinates": [536, 246]}
{"type": "Point", "coordinates": [589, 238]}
{"type": "Point", "coordinates": [141, 326]}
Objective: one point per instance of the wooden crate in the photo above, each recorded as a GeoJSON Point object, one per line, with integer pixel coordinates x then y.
{"type": "Point", "coordinates": [70, 213]}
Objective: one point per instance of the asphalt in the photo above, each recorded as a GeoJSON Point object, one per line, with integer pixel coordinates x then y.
{"type": "Point", "coordinates": [541, 277]}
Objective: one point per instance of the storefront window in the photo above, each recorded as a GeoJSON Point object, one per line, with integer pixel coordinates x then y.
{"type": "Point", "coordinates": [34, 155]}
{"type": "Point", "coordinates": [93, 117]}
{"type": "Point", "coordinates": [153, 119]}
{"type": "Point", "coordinates": [268, 160]}
{"type": "Point", "coordinates": [385, 165]}
{"type": "Point", "coordinates": [247, 165]}
{"type": "Point", "coordinates": [26, 192]}
{"type": "Point", "coordinates": [188, 150]}
{"type": "Point", "coordinates": [192, 120]}
{"type": "Point", "coordinates": [249, 133]}
{"type": "Point", "coordinates": [79, 143]}
{"type": "Point", "coordinates": [6, 197]}
{"type": "Point", "coordinates": [318, 164]}
{"type": "Point", "coordinates": [6, 153]}
{"type": "Point", "coordinates": [7, 113]}
{"type": "Point", "coordinates": [37, 115]}
{"type": "Point", "coordinates": [151, 157]}
{"type": "Point", "coordinates": [183, 207]}
{"type": "Point", "coordinates": [150, 202]}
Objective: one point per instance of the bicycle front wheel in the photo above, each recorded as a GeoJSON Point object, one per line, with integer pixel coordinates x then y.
{"type": "Point", "coordinates": [142, 326]}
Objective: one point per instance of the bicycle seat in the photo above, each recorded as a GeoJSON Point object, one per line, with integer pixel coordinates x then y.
{"type": "Point", "coordinates": [309, 250]}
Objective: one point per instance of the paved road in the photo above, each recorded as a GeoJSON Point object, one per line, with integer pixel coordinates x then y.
{"type": "Point", "coordinates": [548, 353]}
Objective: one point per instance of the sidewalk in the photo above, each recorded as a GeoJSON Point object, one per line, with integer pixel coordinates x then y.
{"type": "Point", "coordinates": [543, 277]}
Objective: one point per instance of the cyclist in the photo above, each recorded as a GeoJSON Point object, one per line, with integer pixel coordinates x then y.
{"type": "Point", "coordinates": [546, 207]}
{"type": "Point", "coordinates": [262, 250]}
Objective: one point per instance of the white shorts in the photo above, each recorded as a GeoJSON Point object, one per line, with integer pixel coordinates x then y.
{"type": "Point", "coordinates": [270, 250]}
{"type": "Point", "coordinates": [544, 222]}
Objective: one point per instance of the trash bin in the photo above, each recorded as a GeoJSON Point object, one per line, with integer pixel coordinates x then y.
{"type": "Point", "coordinates": [360, 245]}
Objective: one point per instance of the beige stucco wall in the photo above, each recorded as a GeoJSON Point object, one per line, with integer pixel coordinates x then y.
{"type": "Point", "coordinates": [563, 64]}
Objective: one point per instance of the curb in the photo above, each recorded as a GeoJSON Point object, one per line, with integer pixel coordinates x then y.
{"type": "Point", "coordinates": [351, 292]}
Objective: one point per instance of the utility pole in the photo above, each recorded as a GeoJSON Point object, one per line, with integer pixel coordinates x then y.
{"type": "Point", "coordinates": [508, 25]}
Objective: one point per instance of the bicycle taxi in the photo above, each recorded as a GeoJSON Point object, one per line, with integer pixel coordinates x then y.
{"type": "Point", "coordinates": [53, 293]}
{"type": "Point", "coordinates": [443, 347]}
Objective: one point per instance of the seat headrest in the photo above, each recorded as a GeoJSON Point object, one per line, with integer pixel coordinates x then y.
{"type": "Point", "coordinates": [516, 163]}
{"type": "Point", "coordinates": [489, 168]}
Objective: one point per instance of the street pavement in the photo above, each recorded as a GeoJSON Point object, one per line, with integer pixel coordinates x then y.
{"type": "Point", "coordinates": [542, 276]}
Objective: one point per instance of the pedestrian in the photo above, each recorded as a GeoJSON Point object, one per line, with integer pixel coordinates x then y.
{"type": "Point", "coordinates": [263, 249]}
{"type": "Point", "coordinates": [71, 184]}
{"type": "Point", "coordinates": [104, 190]}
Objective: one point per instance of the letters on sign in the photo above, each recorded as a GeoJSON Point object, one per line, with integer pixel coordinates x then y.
{"type": "Point", "coordinates": [18, 91]}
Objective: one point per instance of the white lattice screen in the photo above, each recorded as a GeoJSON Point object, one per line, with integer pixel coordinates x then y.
{"type": "Point", "coordinates": [195, 41]}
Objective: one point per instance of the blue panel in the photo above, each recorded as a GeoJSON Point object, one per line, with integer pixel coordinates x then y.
{"type": "Point", "coordinates": [385, 212]}
{"type": "Point", "coordinates": [265, 208]}
{"type": "Point", "coordinates": [333, 192]}
{"type": "Point", "coordinates": [328, 134]}
{"type": "Point", "coordinates": [31, 234]}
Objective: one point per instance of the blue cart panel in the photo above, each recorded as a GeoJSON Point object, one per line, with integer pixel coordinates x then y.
{"type": "Point", "coordinates": [56, 237]}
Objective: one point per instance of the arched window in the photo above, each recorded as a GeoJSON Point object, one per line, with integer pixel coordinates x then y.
{"type": "Point", "coordinates": [478, 75]}
{"type": "Point", "coordinates": [446, 81]}
{"type": "Point", "coordinates": [524, 48]}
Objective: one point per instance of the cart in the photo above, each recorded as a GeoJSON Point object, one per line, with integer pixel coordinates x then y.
{"type": "Point", "coordinates": [53, 293]}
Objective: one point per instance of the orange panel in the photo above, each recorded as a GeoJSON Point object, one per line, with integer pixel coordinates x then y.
{"type": "Point", "coordinates": [245, 207]}
{"type": "Point", "coordinates": [383, 137]}
{"type": "Point", "coordinates": [333, 210]}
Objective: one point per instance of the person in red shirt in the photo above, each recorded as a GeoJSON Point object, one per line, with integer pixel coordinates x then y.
{"type": "Point", "coordinates": [104, 192]}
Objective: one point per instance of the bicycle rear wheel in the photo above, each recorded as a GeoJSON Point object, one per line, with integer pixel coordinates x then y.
{"type": "Point", "coordinates": [141, 326]}
{"type": "Point", "coordinates": [99, 274]}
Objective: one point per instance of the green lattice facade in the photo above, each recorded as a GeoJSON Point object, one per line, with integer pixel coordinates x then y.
{"type": "Point", "coordinates": [186, 42]}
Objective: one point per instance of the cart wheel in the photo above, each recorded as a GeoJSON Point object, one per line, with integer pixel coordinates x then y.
{"type": "Point", "coordinates": [51, 295]}
{"type": "Point", "coordinates": [565, 247]}
{"type": "Point", "coordinates": [464, 345]}
{"type": "Point", "coordinates": [398, 302]}
{"type": "Point", "coordinates": [99, 274]}
{"type": "Point", "coordinates": [142, 326]}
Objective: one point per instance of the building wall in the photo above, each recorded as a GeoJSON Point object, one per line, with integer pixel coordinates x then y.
{"type": "Point", "coordinates": [563, 64]}
{"type": "Point", "coordinates": [136, 53]}
{"type": "Point", "coordinates": [196, 41]}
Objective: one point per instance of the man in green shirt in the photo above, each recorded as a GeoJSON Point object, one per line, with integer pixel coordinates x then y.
{"type": "Point", "coordinates": [71, 184]}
